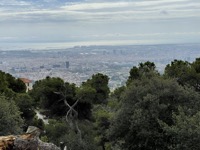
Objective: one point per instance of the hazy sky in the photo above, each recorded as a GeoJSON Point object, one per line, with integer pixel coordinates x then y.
{"type": "Point", "coordinates": [82, 22]}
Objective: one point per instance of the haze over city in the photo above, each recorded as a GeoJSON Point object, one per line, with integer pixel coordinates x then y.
{"type": "Point", "coordinates": [66, 23]}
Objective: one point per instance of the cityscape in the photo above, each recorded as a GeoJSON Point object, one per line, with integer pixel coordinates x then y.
{"type": "Point", "coordinates": [77, 64]}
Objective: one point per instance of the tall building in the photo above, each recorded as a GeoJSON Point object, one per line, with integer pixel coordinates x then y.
{"type": "Point", "coordinates": [67, 64]}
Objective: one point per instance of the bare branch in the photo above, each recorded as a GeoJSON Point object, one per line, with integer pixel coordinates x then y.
{"type": "Point", "coordinates": [72, 114]}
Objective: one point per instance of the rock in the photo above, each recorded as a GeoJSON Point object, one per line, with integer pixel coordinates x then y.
{"type": "Point", "coordinates": [28, 141]}
{"type": "Point", "coordinates": [23, 144]}
{"type": "Point", "coordinates": [47, 146]}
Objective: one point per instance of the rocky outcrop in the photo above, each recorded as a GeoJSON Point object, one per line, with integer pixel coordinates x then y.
{"type": "Point", "coordinates": [28, 141]}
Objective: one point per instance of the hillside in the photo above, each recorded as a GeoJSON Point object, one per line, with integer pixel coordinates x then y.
{"type": "Point", "coordinates": [151, 111]}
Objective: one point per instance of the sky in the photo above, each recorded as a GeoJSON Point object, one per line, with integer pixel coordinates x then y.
{"type": "Point", "coordinates": [65, 23]}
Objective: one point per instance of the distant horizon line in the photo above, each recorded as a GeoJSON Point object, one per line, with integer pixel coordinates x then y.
{"type": "Point", "coordinates": [45, 47]}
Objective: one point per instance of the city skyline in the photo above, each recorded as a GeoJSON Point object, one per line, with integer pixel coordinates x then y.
{"type": "Point", "coordinates": [62, 23]}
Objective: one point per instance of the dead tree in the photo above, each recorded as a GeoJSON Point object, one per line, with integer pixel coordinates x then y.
{"type": "Point", "coordinates": [72, 115]}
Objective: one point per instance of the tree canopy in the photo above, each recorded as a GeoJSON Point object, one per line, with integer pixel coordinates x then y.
{"type": "Point", "coordinates": [7, 81]}
{"type": "Point", "coordinates": [99, 82]}
{"type": "Point", "coordinates": [184, 72]}
{"type": "Point", "coordinates": [145, 103]}
{"type": "Point", "coordinates": [10, 119]}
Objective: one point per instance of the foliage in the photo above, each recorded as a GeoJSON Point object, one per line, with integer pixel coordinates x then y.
{"type": "Point", "coordinates": [37, 123]}
{"type": "Point", "coordinates": [102, 123]}
{"type": "Point", "coordinates": [134, 73]}
{"type": "Point", "coordinates": [184, 72]}
{"type": "Point", "coordinates": [86, 94]}
{"type": "Point", "coordinates": [3, 83]}
{"type": "Point", "coordinates": [177, 68]}
{"type": "Point", "coordinates": [87, 142]}
{"type": "Point", "coordinates": [151, 111]}
{"type": "Point", "coordinates": [195, 79]}
{"type": "Point", "coordinates": [58, 131]}
{"type": "Point", "coordinates": [147, 69]}
{"type": "Point", "coordinates": [185, 131]}
{"type": "Point", "coordinates": [55, 130]}
{"type": "Point", "coordinates": [115, 98]}
{"type": "Point", "coordinates": [43, 91]}
{"type": "Point", "coordinates": [25, 104]}
{"type": "Point", "coordinates": [99, 83]}
{"type": "Point", "coordinates": [44, 94]}
{"type": "Point", "coordinates": [196, 65]}
{"type": "Point", "coordinates": [146, 101]}
{"type": "Point", "coordinates": [8, 81]}
{"type": "Point", "coordinates": [10, 119]}
{"type": "Point", "coordinates": [10, 86]}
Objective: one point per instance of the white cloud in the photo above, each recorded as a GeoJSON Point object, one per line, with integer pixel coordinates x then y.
{"type": "Point", "coordinates": [94, 6]}
{"type": "Point", "coordinates": [13, 3]}
{"type": "Point", "coordinates": [105, 11]}
{"type": "Point", "coordinates": [101, 19]}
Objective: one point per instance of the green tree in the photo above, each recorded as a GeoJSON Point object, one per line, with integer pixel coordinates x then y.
{"type": "Point", "coordinates": [87, 143]}
{"type": "Point", "coordinates": [102, 117]}
{"type": "Point", "coordinates": [177, 68]}
{"type": "Point", "coordinates": [115, 99]}
{"type": "Point", "coordinates": [185, 131]}
{"type": "Point", "coordinates": [134, 73]}
{"type": "Point", "coordinates": [3, 83]}
{"type": "Point", "coordinates": [180, 70]}
{"type": "Point", "coordinates": [195, 78]}
{"type": "Point", "coordinates": [184, 72]}
{"type": "Point", "coordinates": [45, 93]}
{"type": "Point", "coordinates": [58, 131]}
{"type": "Point", "coordinates": [4, 86]}
{"type": "Point", "coordinates": [10, 119]}
{"type": "Point", "coordinates": [86, 94]}
{"type": "Point", "coordinates": [144, 102]}
{"type": "Point", "coordinates": [196, 65]}
{"type": "Point", "coordinates": [99, 83]}
{"type": "Point", "coordinates": [10, 85]}
{"type": "Point", "coordinates": [147, 69]}
{"type": "Point", "coordinates": [25, 104]}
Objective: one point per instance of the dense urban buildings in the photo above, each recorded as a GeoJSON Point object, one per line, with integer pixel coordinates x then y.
{"type": "Point", "coordinates": [79, 63]}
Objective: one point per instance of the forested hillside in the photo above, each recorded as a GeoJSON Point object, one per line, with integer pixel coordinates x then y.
{"type": "Point", "coordinates": [152, 111]}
